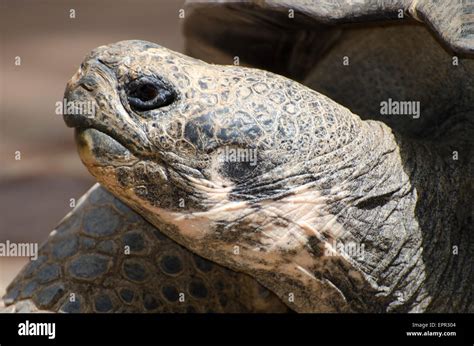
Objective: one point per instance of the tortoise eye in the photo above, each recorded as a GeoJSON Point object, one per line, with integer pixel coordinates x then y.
{"type": "Point", "coordinates": [148, 93]}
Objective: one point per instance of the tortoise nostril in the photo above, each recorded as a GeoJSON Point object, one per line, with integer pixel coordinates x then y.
{"type": "Point", "coordinates": [88, 82]}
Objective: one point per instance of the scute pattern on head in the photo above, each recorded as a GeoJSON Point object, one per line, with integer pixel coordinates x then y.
{"type": "Point", "coordinates": [218, 109]}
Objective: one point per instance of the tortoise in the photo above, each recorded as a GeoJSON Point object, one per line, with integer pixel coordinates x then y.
{"type": "Point", "coordinates": [241, 189]}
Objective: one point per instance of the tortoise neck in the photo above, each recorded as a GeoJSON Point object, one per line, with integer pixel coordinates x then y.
{"type": "Point", "coordinates": [408, 210]}
{"type": "Point", "coordinates": [442, 197]}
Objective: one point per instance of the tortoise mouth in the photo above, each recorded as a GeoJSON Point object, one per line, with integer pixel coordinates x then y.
{"type": "Point", "coordinates": [98, 148]}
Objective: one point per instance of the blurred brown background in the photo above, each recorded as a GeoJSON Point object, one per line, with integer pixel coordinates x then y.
{"type": "Point", "coordinates": [35, 191]}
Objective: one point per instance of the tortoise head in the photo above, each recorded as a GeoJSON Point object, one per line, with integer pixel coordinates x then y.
{"type": "Point", "coordinates": [220, 154]}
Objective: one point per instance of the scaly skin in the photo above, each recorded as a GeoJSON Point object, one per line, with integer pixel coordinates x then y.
{"type": "Point", "coordinates": [322, 178]}
{"type": "Point", "coordinates": [86, 258]}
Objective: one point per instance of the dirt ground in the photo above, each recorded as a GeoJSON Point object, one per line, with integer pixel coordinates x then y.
{"type": "Point", "coordinates": [35, 190]}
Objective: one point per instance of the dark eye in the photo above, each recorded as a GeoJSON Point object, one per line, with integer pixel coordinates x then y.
{"type": "Point", "coordinates": [147, 93]}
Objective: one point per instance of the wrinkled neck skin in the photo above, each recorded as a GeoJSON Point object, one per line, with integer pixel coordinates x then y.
{"type": "Point", "coordinates": [374, 232]}
{"type": "Point", "coordinates": [442, 203]}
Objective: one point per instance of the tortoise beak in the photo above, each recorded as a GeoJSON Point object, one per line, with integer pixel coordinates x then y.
{"type": "Point", "coordinates": [73, 114]}
{"type": "Point", "coordinates": [99, 149]}
{"type": "Point", "coordinates": [79, 101]}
